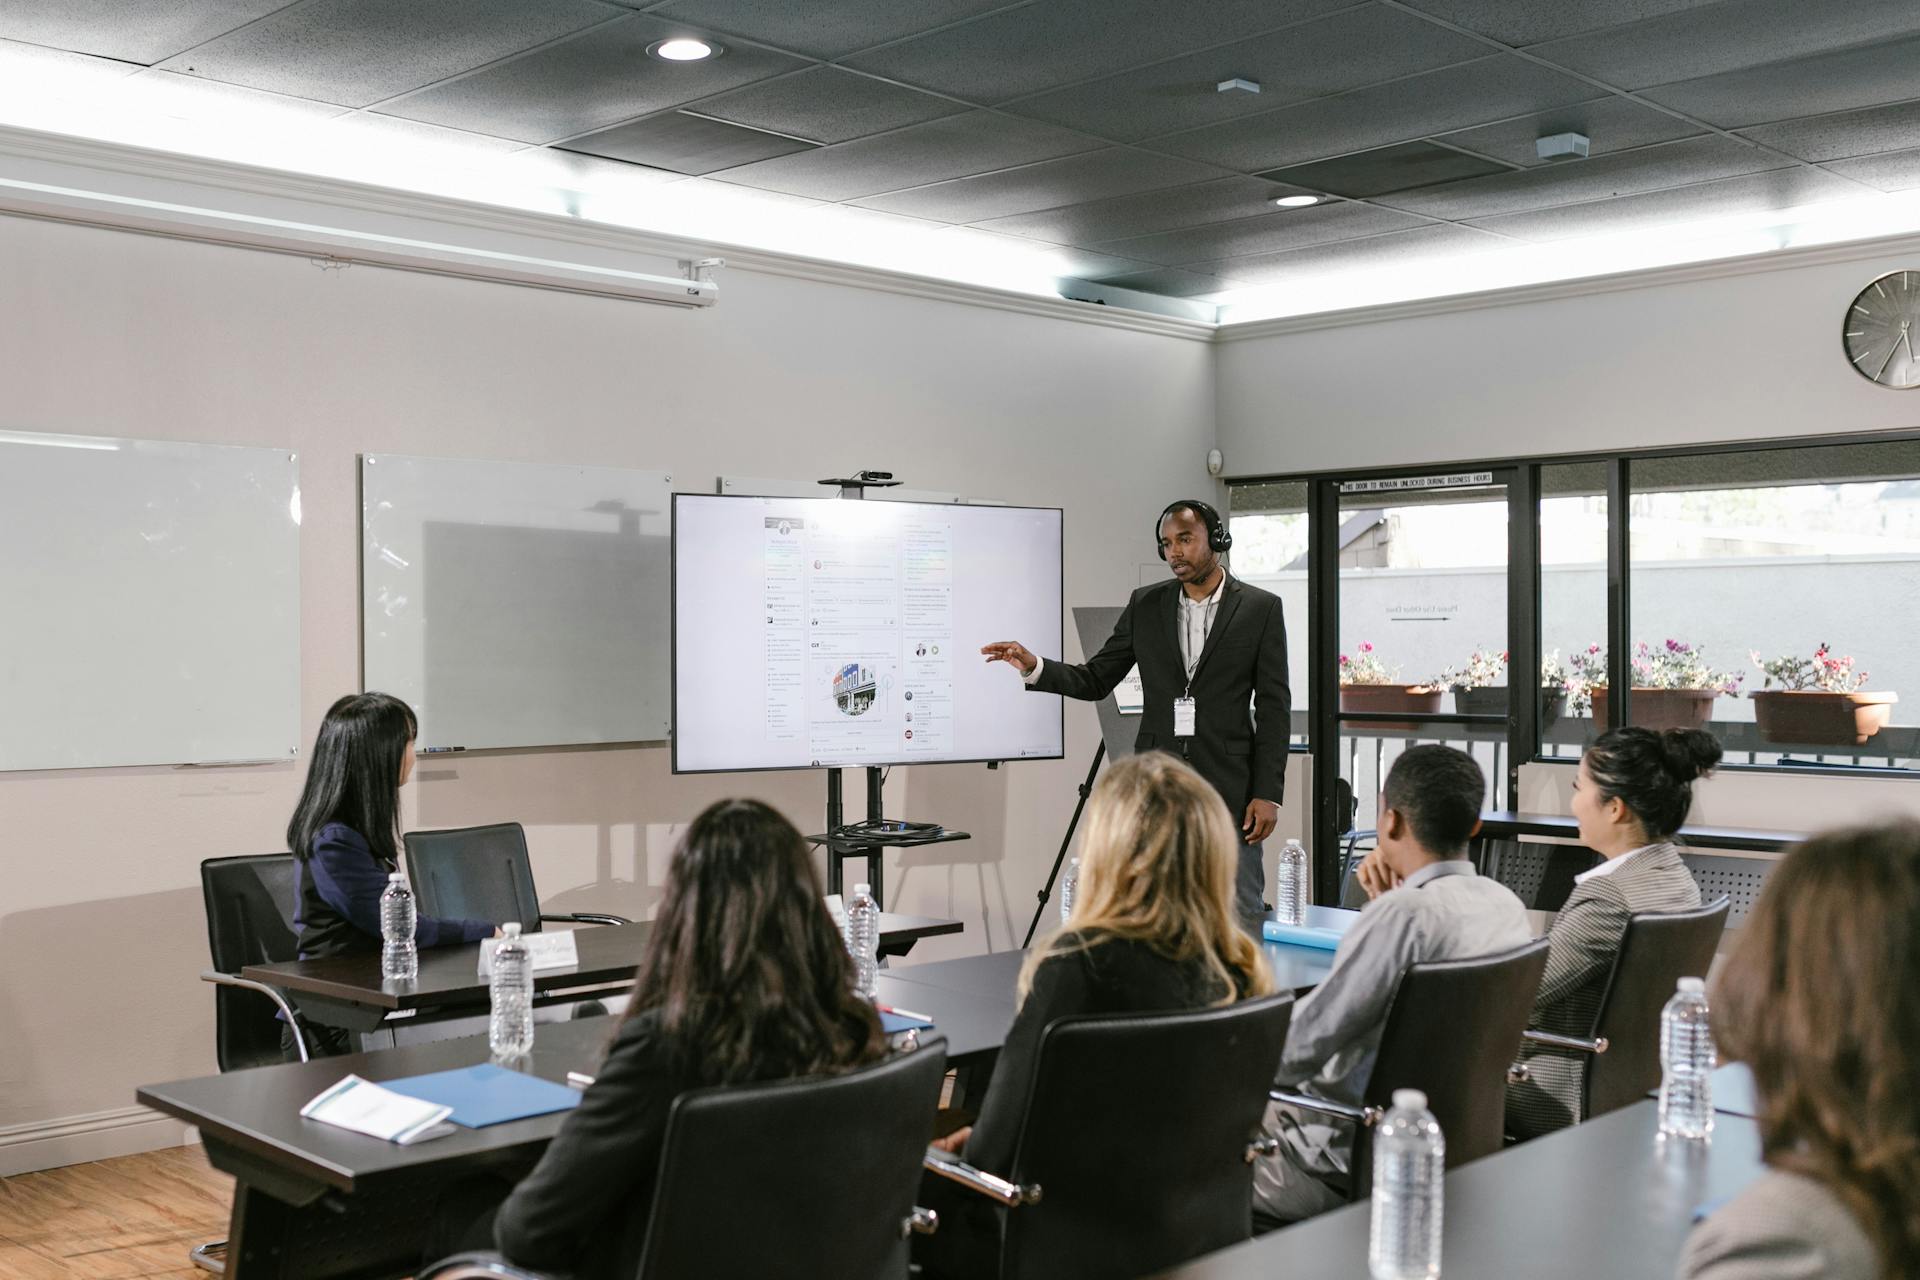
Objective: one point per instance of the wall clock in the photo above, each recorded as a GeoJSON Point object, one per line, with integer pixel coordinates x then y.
{"type": "Point", "coordinates": [1882, 328]}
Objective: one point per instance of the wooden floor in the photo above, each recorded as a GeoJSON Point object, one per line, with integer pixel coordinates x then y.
{"type": "Point", "coordinates": [135, 1216]}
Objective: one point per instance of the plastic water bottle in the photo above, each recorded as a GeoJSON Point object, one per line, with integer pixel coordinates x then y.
{"type": "Point", "coordinates": [1290, 884]}
{"type": "Point", "coordinates": [863, 938]}
{"type": "Point", "coordinates": [1409, 1163]}
{"type": "Point", "coordinates": [398, 958]}
{"type": "Point", "coordinates": [1068, 887]}
{"type": "Point", "coordinates": [1686, 1064]}
{"type": "Point", "coordinates": [510, 1032]}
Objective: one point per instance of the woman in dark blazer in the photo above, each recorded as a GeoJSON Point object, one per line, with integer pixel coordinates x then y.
{"type": "Point", "coordinates": [1153, 930]}
{"type": "Point", "coordinates": [1819, 998]}
{"type": "Point", "coordinates": [744, 978]}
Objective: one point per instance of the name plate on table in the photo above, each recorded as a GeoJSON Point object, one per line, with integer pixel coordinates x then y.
{"type": "Point", "coordinates": [558, 950]}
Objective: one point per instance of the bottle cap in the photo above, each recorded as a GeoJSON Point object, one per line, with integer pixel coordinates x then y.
{"type": "Point", "coordinates": [1693, 986]}
{"type": "Point", "coordinates": [510, 929]}
{"type": "Point", "coordinates": [1409, 1100]}
{"type": "Point", "coordinates": [861, 890]}
{"type": "Point", "coordinates": [397, 877]}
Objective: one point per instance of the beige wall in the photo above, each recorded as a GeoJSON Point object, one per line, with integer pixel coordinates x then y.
{"type": "Point", "coordinates": [101, 332]}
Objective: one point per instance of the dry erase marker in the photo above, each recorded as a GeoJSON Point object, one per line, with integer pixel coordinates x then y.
{"type": "Point", "coordinates": [905, 1013]}
{"type": "Point", "coordinates": [579, 1079]}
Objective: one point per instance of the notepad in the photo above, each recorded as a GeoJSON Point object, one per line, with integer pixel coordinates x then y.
{"type": "Point", "coordinates": [1301, 935]}
{"type": "Point", "coordinates": [365, 1107]}
{"type": "Point", "coordinates": [476, 1097]}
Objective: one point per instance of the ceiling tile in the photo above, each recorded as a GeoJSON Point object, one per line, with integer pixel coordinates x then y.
{"type": "Point", "coordinates": [599, 78]}
{"type": "Point", "coordinates": [824, 30]}
{"type": "Point", "coordinates": [1889, 171]}
{"type": "Point", "coordinates": [1172, 282]}
{"type": "Point", "coordinates": [1397, 168]}
{"type": "Point", "coordinates": [976, 142]}
{"type": "Point", "coordinates": [1779, 189]}
{"type": "Point", "coordinates": [1268, 233]}
{"type": "Point", "coordinates": [685, 143]}
{"type": "Point", "coordinates": [827, 104]}
{"type": "Point", "coordinates": [1221, 201]}
{"type": "Point", "coordinates": [1435, 102]}
{"type": "Point", "coordinates": [1397, 248]}
{"type": "Point", "coordinates": [1611, 124]}
{"type": "Point", "coordinates": [1525, 22]}
{"type": "Point", "coordinates": [1670, 164]}
{"type": "Point", "coordinates": [1869, 76]}
{"type": "Point", "coordinates": [105, 28]}
{"type": "Point", "coordinates": [358, 52]}
{"type": "Point", "coordinates": [1843, 133]}
{"type": "Point", "coordinates": [1044, 46]}
{"type": "Point", "coordinates": [1328, 55]}
{"type": "Point", "coordinates": [1047, 185]}
{"type": "Point", "coordinates": [1728, 37]}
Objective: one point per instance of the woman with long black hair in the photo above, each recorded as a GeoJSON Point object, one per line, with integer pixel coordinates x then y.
{"type": "Point", "coordinates": [744, 978]}
{"type": "Point", "coordinates": [345, 838]}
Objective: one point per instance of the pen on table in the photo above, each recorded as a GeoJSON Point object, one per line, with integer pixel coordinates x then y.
{"type": "Point", "coordinates": [905, 1013]}
{"type": "Point", "coordinates": [579, 1079]}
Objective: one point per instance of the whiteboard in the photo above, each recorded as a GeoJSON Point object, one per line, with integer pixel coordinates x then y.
{"type": "Point", "coordinates": [516, 604]}
{"type": "Point", "coordinates": [149, 602]}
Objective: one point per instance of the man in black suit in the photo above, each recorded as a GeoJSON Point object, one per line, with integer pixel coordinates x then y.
{"type": "Point", "coordinates": [1212, 654]}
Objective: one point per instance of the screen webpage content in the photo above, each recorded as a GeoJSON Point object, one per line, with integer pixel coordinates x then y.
{"type": "Point", "coordinates": [821, 631]}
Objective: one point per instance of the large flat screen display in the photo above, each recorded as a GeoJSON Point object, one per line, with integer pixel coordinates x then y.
{"type": "Point", "coordinates": [814, 632]}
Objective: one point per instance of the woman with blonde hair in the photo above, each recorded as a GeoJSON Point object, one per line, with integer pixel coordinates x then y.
{"type": "Point", "coordinates": [1153, 930]}
{"type": "Point", "coordinates": [1819, 999]}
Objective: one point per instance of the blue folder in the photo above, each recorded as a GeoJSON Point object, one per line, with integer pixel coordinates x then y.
{"type": "Point", "coordinates": [894, 1023]}
{"type": "Point", "coordinates": [1301, 935]}
{"type": "Point", "coordinates": [487, 1094]}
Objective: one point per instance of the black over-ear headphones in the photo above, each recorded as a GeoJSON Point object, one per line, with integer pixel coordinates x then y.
{"type": "Point", "coordinates": [1217, 536]}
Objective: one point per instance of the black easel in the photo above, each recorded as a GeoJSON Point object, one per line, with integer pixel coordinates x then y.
{"type": "Point", "coordinates": [1086, 789]}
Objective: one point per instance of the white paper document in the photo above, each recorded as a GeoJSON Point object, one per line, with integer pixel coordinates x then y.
{"type": "Point", "coordinates": [557, 950]}
{"type": "Point", "coordinates": [364, 1107]}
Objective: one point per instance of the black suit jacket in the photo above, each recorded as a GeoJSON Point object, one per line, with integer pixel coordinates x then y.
{"type": "Point", "coordinates": [1243, 701]}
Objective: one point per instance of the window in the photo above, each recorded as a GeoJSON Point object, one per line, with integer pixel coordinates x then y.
{"type": "Point", "coordinates": [1573, 602]}
{"type": "Point", "coordinates": [1269, 526]}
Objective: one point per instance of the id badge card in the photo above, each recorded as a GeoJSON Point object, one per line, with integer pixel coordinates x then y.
{"type": "Point", "coordinates": [1183, 716]}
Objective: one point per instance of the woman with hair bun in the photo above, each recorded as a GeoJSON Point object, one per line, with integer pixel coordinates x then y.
{"type": "Point", "coordinates": [1632, 793]}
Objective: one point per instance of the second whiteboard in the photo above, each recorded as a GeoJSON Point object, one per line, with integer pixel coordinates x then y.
{"type": "Point", "coordinates": [517, 604]}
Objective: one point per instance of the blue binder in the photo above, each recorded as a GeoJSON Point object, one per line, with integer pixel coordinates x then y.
{"type": "Point", "coordinates": [487, 1094]}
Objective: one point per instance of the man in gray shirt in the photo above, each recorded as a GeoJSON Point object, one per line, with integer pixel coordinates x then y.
{"type": "Point", "coordinates": [1431, 906]}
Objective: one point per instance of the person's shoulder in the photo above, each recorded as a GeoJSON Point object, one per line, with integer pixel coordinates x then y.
{"type": "Point", "coordinates": [340, 835]}
{"type": "Point", "coordinates": [1155, 590]}
{"type": "Point", "coordinates": [1779, 1223]}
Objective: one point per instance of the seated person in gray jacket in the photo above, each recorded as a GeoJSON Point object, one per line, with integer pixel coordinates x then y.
{"type": "Point", "coordinates": [1428, 904]}
{"type": "Point", "coordinates": [1819, 998]}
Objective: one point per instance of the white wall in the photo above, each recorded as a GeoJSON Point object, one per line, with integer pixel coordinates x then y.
{"type": "Point", "coordinates": [103, 332]}
{"type": "Point", "coordinates": [1729, 357]}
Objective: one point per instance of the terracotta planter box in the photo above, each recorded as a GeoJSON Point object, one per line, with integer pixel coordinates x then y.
{"type": "Point", "coordinates": [1492, 701]}
{"type": "Point", "coordinates": [1660, 708]}
{"type": "Point", "coordinates": [1418, 698]}
{"type": "Point", "coordinates": [1814, 717]}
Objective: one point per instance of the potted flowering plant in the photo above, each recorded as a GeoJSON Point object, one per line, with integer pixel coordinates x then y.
{"type": "Point", "coordinates": [1673, 687]}
{"type": "Point", "coordinates": [1368, 684]}
{"type": "Point", "coordinates": [1477, 688]}
{"type": "Point", "coordinates": [1818, 701]}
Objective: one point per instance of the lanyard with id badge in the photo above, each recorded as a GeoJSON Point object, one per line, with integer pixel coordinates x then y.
{"type": "Point", "coordinates": [1185, 711]}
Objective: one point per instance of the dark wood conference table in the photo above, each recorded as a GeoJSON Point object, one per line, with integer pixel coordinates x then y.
{"type": "Point", "coordinates": [1508, 824]}
{"type": "Point", "coordinates": [347, 991]}
{"type": "Point", "coordinates": [1602, 1200]}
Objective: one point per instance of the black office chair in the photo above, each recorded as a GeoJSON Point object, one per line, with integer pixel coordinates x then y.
{"type": "Point", "coordinates": [806, 1179]}
{"type": "Point", "coordinates": [1345, 815]}
{"type": "Point", "coordinates": [481, 873]}
{"type": "Point", "coordinates": [250, 906]}
{"type": "Point", "coordinates": [1451, 1032]}
{"type": "Point", "coordinates": [1656, 951]}
{"type": "Point", "coordinates": [1137, 1145]}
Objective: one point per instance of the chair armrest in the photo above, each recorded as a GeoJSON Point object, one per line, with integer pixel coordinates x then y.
{"type": "Point", "coordinates": [584, 917]}
{"type": "Point", "coordinates": [476, 1266]}
{"type": "Point", "coordinates": [1364, 1116]}
{"type": "Point", "coordinates": [274, 994]}
{"type": "Point", "coordinates": [995, 1188]}
{"type": "Point", "coordinates": [1578, 1044]}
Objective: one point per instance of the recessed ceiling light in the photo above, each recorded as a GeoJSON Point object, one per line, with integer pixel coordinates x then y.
{"type": "Point", "coordinates": [684, 49]}
{"type": "Point", "coordinates": [1295, 202]}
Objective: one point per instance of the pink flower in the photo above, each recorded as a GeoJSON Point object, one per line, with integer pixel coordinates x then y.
{"type": "Point", "coordinates": [1593, 648]}
{"type": "Point", "coordinates": [1366, 646]}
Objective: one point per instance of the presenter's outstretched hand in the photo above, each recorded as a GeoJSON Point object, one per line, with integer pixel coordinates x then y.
{"type": "Point", "coordinates": [1262, 817]}
{"type": "Point", "coordinates": [1013, 653]}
